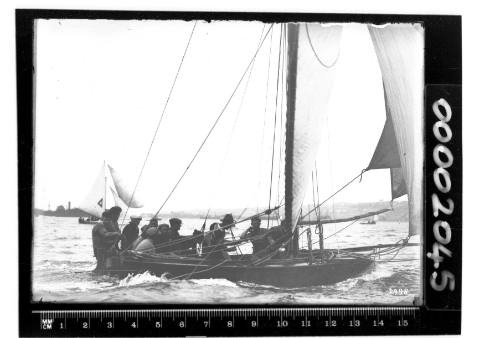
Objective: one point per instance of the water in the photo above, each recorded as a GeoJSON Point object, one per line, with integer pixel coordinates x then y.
{"type": "Point", "coordinates": [63, 262]}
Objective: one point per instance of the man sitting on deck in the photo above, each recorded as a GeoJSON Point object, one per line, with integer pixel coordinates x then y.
{"type": "Point", "coordinates": [256, 235]}
{"type": "Point", "coordinates": [175, 226]}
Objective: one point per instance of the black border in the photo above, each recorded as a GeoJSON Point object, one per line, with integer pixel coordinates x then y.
{"type": "Point", "coordinates": [443, 78]}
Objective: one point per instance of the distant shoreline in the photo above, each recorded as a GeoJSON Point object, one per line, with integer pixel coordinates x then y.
{"type": "Point", "coordinates": [398, 213]}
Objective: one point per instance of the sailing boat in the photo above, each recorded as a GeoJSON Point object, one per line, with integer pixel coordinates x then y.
{"type": "Point", "coordinates": [109, 190]}
{"type": "Point", "coordinates": [370, 220]}
{"type": "Point", "coordinates": [309, 83]}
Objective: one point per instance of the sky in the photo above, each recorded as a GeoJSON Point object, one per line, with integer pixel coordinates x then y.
{"type": "Point", "coordinates": [101, 87]}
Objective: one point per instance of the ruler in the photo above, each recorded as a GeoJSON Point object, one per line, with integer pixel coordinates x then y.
{"type": "Point", "coordinates": [227, 321]}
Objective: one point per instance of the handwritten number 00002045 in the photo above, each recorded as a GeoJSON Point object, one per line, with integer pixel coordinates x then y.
{"type": "Point", "coordinates": [443, 159]}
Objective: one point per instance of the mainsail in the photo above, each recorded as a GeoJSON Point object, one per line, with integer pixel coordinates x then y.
{"type": "Point", "coordinates": [399, 49]}
{"type": "Point", "coordinates": [313, 50]}
{"type": "Point", "coordinates": [107, 191]}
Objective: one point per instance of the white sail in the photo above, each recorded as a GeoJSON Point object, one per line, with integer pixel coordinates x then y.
{"type": "Point", "coordinates": [106, 193]}
{"type": "Point", "coordinates": [124, 192]}
{"type": "Point", "coordinates": [317, 52]}
{"type": "Point", "coordinates": [400, 52]}
{"type": "Point", "coordinates": [94, 202]}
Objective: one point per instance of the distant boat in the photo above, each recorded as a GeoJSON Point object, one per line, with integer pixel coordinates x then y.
{"type": "Point", "coordinates": [108, 190]}
{"type": "Point", "coordinates": [370, 220]}
{"type": "Point", "coordinates": [88, 220]}
{"type": "Point", "coordinates": [308, 88]}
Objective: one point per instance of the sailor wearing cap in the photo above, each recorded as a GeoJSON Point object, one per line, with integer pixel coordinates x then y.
{"type": "Point", "coordinates": [130, 232]}
{"type": "Point", "coordinates": [220, 232]}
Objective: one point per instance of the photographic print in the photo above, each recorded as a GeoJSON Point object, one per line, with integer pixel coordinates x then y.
{"type": "Point", "coordinates": [228, 162]}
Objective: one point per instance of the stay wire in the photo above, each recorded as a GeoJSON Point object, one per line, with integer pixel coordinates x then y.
{"type": "Point", "coordinates": [160, 120]}
{"type": "Point", "coordinates": [182, 240]}
{"type": "Point", "coordinates": [274, 128]}
{"type": "Point", "coordinates": [233, 129]}
{"type": "Point", "coordinates": [332, 195]}
{"type": "Point", "coordinates": [214, 124]}
{"type": "Point", "coordinates": [265, 111]}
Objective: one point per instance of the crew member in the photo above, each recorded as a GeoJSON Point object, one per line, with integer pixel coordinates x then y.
{"type": "Point", "coordinates": [175, 226]}
{"type": "Point", "coordinates": [104, 237]}
{"type": "Point", "coordinates": [226, 222]}
{"type": "Point", "coordinates": [114, 215]}
{"type": "Point", "coordinates": [149, 229]}
{"type": "Point", "coordinates": [130, 232]}
{"type": "Point", "coordinates": [256, 235]}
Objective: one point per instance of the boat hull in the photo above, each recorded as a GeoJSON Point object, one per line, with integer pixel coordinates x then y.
{"type": "Point", "coordinates": [87, 222]}
{"type": "Point", "coordinates": [282, 273]}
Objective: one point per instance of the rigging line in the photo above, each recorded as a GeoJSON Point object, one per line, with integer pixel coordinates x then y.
{"type": "Point", "coordinates": [316, 54]}
{"type": "Point", "coordinates": [313, 191]}
{"type": "Point", "coordinates": [330, 167]}
{"type": "Point", "coordinates": [214, 124]}
{"type": "Point", "coordinates": [265, 111]}
{"type": "Point", "coordinates": [274, 128]}
{"type": "Point", "coordinates": [233, 128]}
{"type": "Point", "coordinates": [283, 63]}
{"type": "Point", "coordinates": [160, 120]}
{"type": "Point", "coordinates": [317, 191]}
{"type": "Point", "coordinates": [336, 232]}
{"type": "Point", "coordinates": [332, 195]}
{"type": "Point", "coordinates": [201, 262]}
{"type": "Point", "coordinates": [182, 240]}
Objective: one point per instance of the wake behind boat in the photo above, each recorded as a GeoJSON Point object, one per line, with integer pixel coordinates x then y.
{"type": "Point", "coordinates": [277, 259]}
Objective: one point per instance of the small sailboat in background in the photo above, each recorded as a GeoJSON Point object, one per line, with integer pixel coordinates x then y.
{"type": "Point", "coordinates": [308, 88]}
{"type": "Point", "coordinates": [109, 190]}
{"type": "Point", "coordinates": [370, 220]}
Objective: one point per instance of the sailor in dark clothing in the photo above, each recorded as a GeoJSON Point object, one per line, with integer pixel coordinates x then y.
{"type": "Point", "coordinates": [215, 238]}
{"type": "Point", "coordinates": [162, 237]}
{"type": "Point", "coordinates": [256, 235]}
{"type": "Point", "coordinates": [175, 226]}
{"type": "Point", "coordinates": [114, 215]}
{"type": "Point", "coordinates": [153, 223]}
{"type": "Point", "coordinates": [226, 223]}
{"type": "Point", "coordinates": [130, 232]}
{"type": "Point", "coordinates": [104, 237]}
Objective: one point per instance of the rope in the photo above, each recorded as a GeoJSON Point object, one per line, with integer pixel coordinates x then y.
{"type": "Point", "coordinates": [213, 125]}
{"type": "Point", "coordinates": [336, 232]}
{"type": "Point", "coordinates": [328, 198]}
{"type": "Point", "coordinates": [316, 54]}
{"type": "Point", "coordinates": [182, 240]}
{"type": "Point", "coordinates": [274, 130]}
{"type": "Point", "coordinates": [264, 124]}
{"type": "Point", "coordinates": [159, 122]}
{"type": "Point", "coordinates": [283, 83]}
{"type": "Point", "coordinates": [212, 201]}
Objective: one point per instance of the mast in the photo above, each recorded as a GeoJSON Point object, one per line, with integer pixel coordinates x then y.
{"type": "Point", "coordinates": [292, 30]}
